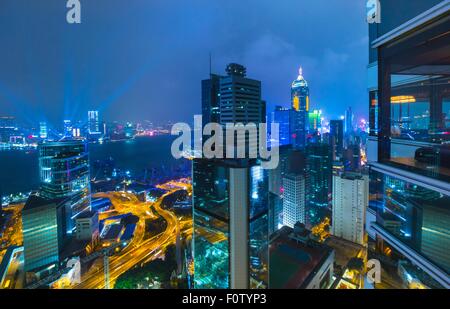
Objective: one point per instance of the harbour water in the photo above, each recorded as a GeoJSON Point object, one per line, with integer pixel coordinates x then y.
{"type": "Point", "coordinates": [19, 171]}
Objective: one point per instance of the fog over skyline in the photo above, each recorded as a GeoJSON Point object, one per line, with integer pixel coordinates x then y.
{"type": "Point", "coordinates": [144, 60]}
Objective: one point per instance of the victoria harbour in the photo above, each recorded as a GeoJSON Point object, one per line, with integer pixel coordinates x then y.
{"type": "Point", "coordinates": [140, 157]}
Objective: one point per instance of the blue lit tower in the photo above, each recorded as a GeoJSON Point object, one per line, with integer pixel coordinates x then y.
{"type": "Point", "coordinates": [300, 109]}
{"type": "Point", "coordinates": [64, 174]}
{"type": "Point", "coordinates": [281, 115]}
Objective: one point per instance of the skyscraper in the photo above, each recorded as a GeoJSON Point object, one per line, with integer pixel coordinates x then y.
{"type": "Point", "coordinates": [43, 231]}
{"type": "Point", "coordinates": [230, 224]}
{"type": "Point", "coordinates": [281, 115]}
{"type": "Point", "coordinates": [315, 121]}
{"type": "Point", "coordinates": [240, 97]}
{"type": "Point", "coordinates": [319, 169]}
{"type": "Point", "coordinates": [43, 132]}
{"type": "Point", "coordinates": [408, 146]}
{"type": "Point", "coordinates": [294, 190]}
{"type": "Point", "coordinates": [349, 121]}
{"type": "Point", "coordinates": [337, 138]}
{"type": "Point", "coordinates": [350, 201]}
{"type": "Point", "coordinates": [294, 203]}
{"type": "Point", "coordinates": [276, 190]}
{"type": "Point", "coordinates": [300, 109]}
{"type": "Point", "coordinates": [211, 99]}
{"type": "Point", "coordinates": [93, 122]}
{"type": "Point", "coordinates": [64, 173]}
{"type": "Point", "coordinates": [7, 128]}
{"type": "Point", "coordinates": [230, 197]}
{"type": "Point", "coordinates": [67, 128]}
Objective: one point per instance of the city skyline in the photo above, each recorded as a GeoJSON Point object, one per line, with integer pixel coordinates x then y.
{"type": "Point", "coordinates": [281, 183]}
{"type": "Point", "coordinates": [68, 74]}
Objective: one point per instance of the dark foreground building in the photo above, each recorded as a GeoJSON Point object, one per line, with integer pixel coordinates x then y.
{"type": "Point", "coordinates": [408, 149]}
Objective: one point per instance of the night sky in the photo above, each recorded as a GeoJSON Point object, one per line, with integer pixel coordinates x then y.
{"type": "Point", "coordinates": [144, 59]}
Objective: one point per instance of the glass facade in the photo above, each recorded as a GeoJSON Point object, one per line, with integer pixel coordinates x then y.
{"type": "Point", "coordinates": [42, 233]}
{"type": "Point", "coordinates": [318, 182]}
{"type": "Point", "coordinates": [416, 216]}
{"type": "Point", "coordinates": [64, 173]}
{"type": "Point", "coordinates": [211, 224]}
{"type": "Point", "coordinates": [212, 234]}
{"type": "Point", "coordinates": [415, 103]}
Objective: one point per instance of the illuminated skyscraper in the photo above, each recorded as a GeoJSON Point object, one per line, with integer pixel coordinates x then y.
{"type": "Point", "coordinates": [7, 128]}
{"type": "Point", "coordinates": [349, 121]}
{"type": "Point", "coordinates": [67, 128]}
{"type": "Point", "coordinates": [43, 231]}
{"type": "Point", "coordinates": [281, 116]}
{"type": "Point", "coordinates": [300, 109]}
{"type": "Point", "coordinates": [43, 132]}
{"type": "Point", "coordinates": [230, 224]}
{"type": "Point", "coordinates": [319, 169]}
{"type": "Point", "coordinates": [230, 197]}
{"type": "Point", "coordinates": [93, 122]}
{"type": "Point", "coordinates": [64, 173]}
{"type": "Point", "coordinates": [337, 138]}
{"type": "Point", "coordinates": [315, 121]}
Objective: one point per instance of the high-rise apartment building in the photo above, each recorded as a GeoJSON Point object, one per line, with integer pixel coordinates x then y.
{"type": "Point", "coordinates": [294, 190]}
{"type": "Point", "coordinates": [409, 104]}
{"type": "Point", "coordinates": [350, 201]}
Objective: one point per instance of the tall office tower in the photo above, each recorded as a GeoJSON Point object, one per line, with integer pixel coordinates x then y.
{"type": "Point", "coordinates": [67, 128]}
{"type": "Point", "coordinates": [300, 109]}
{"type": "Point", "coordinates": [294, 190]}
{"type": "Point", "coordinates": [231, 199]}
{"type": "Point", "coordinates": [240, 102]}
{"type": "Point", "coordinates": [350, 201]}
{"type": "Point", "coordinates": [319, 169]}
{"type": "Point", "coordinates": [93, 122]}
{"type": "Point", "coordinates": [349, 121]}
{"type": "Point", "coordinates": [64, 173]}
{"type": "Point", "coordinates": [276, 189]}
{"type": "Point", "coordinates": [211, 99]}
{"type": "Point", "coordinates": [337, 138]}
{"type": "Point", "coordinates": [281, 115]}
{"type": "Point", "coordinates": [315, 121]}
{"type": "Point", "coordinates": [230, 224]}
{"type": "Point", "coordinates": [43, 231]}
{"type": "Point", "coordinates": [409, 100]}
{"type": "Point", "coordinates": [43, 131]}
{"type": "Point", "coordinates": [240, 97]}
